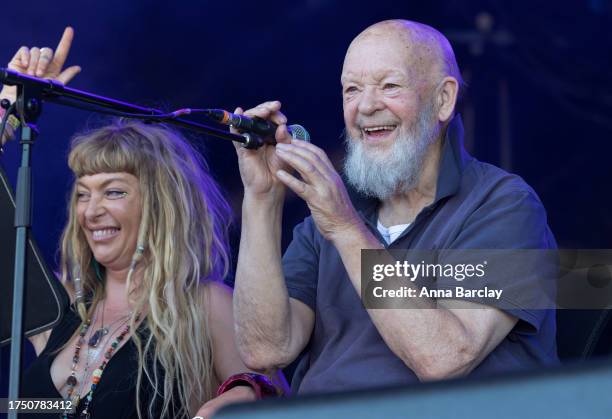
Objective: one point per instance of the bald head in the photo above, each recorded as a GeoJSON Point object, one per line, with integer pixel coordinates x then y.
{"type": "Point", "coordinates": [399, 81]}
{"type": "Point", "coordinates": [427, 52]}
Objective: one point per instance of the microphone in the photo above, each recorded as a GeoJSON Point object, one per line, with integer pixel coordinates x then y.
{"type": "Point", "coordinates": [242, 122]}
{"type": "Point", "coordinates": [260, 127]}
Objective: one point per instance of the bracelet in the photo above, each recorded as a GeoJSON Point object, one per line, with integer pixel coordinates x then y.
{"type": "Point", "coordinates": [13, 122]}
{"type": "Point", "coordinates": [261, 384]}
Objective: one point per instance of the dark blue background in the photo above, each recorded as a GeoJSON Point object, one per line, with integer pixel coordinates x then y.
{"type": "Point", "coordinates": [538, 81]}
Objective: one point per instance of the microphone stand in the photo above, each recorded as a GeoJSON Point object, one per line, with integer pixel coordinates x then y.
{"type": "Point", "coordinates": [29, 107]}
{"type": "Point", "coordinates": [31, 93]}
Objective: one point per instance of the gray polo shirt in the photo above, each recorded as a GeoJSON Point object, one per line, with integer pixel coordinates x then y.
{"type": "Point", "coordinates": [477, 206]}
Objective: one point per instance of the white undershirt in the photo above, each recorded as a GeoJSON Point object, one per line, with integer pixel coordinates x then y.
{"type": "Point", "coordinates": [391, 233]}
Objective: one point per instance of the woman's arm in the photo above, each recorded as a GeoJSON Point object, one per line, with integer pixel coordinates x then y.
{"type": "Point", "coordinates": [226, 358]}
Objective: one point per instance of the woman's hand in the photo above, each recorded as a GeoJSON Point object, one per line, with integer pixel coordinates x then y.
{"type": "Point", "coordinates": [234, 395]}
{"type": "Point", "coordinates": [43, 63]}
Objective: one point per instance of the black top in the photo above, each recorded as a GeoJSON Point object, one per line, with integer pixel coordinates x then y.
{"type": "Point", "coordinates": [115, 395]}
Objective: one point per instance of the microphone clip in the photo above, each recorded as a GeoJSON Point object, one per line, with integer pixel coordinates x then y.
{"type": "Point", "coordinates": [253, 141]}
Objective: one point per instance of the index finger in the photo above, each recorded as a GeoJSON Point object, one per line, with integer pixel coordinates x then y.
{"type": "Point", "coordinates": [63, 48]}
{"type": "Point", "coordinates": [268, 110]}
{"type": "Point", "coordinates": [282, 135]}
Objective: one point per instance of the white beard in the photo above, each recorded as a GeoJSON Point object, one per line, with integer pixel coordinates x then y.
{"type": "Point", "coordinates": [394, 171]}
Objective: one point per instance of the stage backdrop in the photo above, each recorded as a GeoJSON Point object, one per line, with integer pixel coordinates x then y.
{"type": "Point", "coordinates": [539, 98]}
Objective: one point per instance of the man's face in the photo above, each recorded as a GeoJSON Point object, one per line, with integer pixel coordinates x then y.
{"type": "Point", "coordinates": [379, 90]}
{"type": "Point", "coordinates": [390, 117]}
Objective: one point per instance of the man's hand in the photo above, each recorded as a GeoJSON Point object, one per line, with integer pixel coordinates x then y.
{"type": "Point", "coordinates": [321, 187]}
{"type": "Point", "coordinates": [43, 63]}
{"type": "Point", "coordinates": [234, 395]}
{"type": "Point", "coordinates": [258, 167]}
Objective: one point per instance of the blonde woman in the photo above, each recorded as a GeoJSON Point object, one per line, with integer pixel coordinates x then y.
{"type": "Point", "coordinates": [150, 332]}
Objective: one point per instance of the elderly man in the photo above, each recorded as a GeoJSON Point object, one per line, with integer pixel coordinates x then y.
{"type": "Point", "coordinates": [416, 188]}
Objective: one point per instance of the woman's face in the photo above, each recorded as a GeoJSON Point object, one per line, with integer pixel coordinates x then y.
{"type": "Point", "coordinates": [109, 209]}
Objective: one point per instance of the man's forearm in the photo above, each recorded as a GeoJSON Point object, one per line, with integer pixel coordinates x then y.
{"type": "Point", "coordinates": [261, 302]}
{"type": "Point", "coordinates": [430, 340]}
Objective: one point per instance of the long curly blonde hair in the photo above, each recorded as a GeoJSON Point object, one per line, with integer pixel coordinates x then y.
{"type": "Point", "coordinates": [182, 243]}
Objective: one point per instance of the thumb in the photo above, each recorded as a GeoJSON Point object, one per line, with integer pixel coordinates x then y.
{"type": "Point", "coordinates": [237, 111]}
{"type": "Point", "coordinates": [282, 134]}
{"type": "Point", "coordinates": [68, 74]}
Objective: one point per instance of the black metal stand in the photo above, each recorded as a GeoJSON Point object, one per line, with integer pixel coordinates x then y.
{"type": "Point", "coordinates": [29, 107]}
{"type": "Point", "coordinates": [31, 93]}
{"type": "Point", "coordinates": [54, 92]}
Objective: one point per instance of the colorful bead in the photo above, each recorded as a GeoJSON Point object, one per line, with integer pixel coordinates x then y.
{"type": "Point", "coordinates": [97, 373]}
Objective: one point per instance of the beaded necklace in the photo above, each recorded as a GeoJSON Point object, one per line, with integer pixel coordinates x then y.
{"type": "Point", "coordinates": [97, 373]}
{"type": "Point", "coordinates": [71, 381]}
{"type": "Point", "coordinates": [94, 354]}
{"type": "Point", "coordinates": [99, 335]}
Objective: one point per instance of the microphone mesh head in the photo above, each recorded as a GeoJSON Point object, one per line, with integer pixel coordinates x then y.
{"type": "Point", "coordinates": [298, 132]}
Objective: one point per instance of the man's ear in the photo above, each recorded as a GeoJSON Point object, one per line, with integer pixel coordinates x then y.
{"type": "Point", "coordinates": [446, 98]}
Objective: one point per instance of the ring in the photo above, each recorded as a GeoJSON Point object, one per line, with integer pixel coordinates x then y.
{"type": "Point", "coordinates": [46, 56]}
